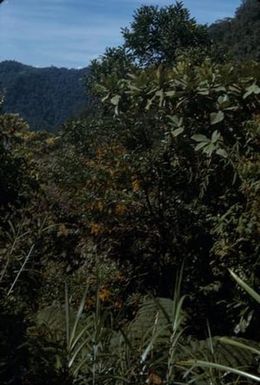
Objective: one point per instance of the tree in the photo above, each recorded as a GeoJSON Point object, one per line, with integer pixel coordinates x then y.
{"type": "Point", "coordinates": [113, 65]}
{"type": "Point", "coordinates": [190, 137]}
{"type": "Point", "coordinates": [156, 34]}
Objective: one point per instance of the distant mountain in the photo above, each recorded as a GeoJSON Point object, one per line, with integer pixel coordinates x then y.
{"type": "Point", "coordinates": [45, 97]}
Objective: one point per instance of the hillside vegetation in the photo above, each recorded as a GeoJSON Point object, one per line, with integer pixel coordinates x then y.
{"type": "Point", "coordinates": [239, 36]}
{"type": "Point", "coordinates": [44, 97]}
{"type": "Point", "coordinates": [130, 239]}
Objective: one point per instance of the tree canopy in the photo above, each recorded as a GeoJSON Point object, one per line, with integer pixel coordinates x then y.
{"type": "Point", "coordinates": [157, 34]}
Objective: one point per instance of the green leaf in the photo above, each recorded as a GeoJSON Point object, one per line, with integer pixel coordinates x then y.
{"type": "Point", "coordinates": [232, 108]}
{"type": "Point", "coordinates": [215, 136]}
{"type": "Point", "coordinates": [175, 120]}
{"type": "Point", "coordinates": [239, 344]}
{"type": "Point", "coordinates": [177, 132]}
{"type": "Point", "coordinates": [115, 100]}
{"type": "Point", "coordinates": [203, 91]}
{"type": "Point", "coordinates": [149, 103]}
{"type": "Point", "coordinates": [209, 149]}
{"type": "Point", "coordinates": [200, 145]}
{"type": "Point", "coordinates": [160, 94]}
{"type": "Point", "coordinates": [222, 152]}
{"type": "Point", "coordinates": [170, 93]}
{"type": "Point", "coordinates": [200, 138]}
{"type": "Point", "coordinates": [105, 98]}
{"type": "Point", "coordinates": [223, 99]}
{"type": "Point", "coordinates": [213, 365]}
{"type": "Point", "coordinates": [234, 89]}
{"type": "Point", "coordinates": [246, 287]}
{"type": "Point", "coordinates": [216, 117]}
{"type": "Point", "coordinates": [253, 89]}
{"type": "Point", "coordinates": [219, 88]}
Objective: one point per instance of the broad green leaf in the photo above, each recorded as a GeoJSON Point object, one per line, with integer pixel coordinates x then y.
{"type": "Point", "coordinates": [219, 88]}
{"type": "Point", "coordinates": [200, 146]}
{"type": "Point", "coordinates": [133, 88]}
{"type": "Point", "coordinates": [175, 120]}
{"type": "Point", "coordinates": [200, 138]}
{"type": "Point", "coordinates": [223, 99]}
{"type": "Point", "coordinates": [160, 94]}
{"type": "Point", "coordinates": [216, 117]}
{"type": "Point", "coordinates": [177, 132]}
{"type": "Point", "coordinates": [253, 89]}
{"type": "Point", "coordinates": [234, 89]}
{"type": "Point", "coordinates": [203, 91]}
{"type": "Point", "coordinates": [209, 149]}
{"type": "Point", "coordinates": [115, 100]}
{"type": "Point", "coordinates": [215, 136]}
{"type": "Point", "coordinates": [222, 152]}
{"type": "Point", "coordinates": [170, 93]}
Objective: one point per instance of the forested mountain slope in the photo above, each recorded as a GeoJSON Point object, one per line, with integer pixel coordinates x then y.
{"type": "Point", "coordinates": [45, 97]}
{"type": "Point", "coordinates": [240, 36]}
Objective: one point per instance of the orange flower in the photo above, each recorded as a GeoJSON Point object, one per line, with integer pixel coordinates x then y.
{"type": "Point", "coordinates": [120, 209]}
{"type": "Point", "coordinates": [104, 294]}
{"type": "Point", "coordinates": [96, 229]}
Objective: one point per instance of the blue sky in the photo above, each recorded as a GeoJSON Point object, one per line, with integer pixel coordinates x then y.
{"type": "Point", "coordinates": [71, 33]}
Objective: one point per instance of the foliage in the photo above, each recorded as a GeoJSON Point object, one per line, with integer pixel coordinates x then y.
{"type": "Point", "coordinates": [194, 131]}
{"type": "Point", "coordinates": [45, 97]}
{"type": "Point", "coordinates": [239, 36]}
{"type": "Point", "coordinates": [158, 185]}
{"type": "Point", "coordinates": [15, 182]}
{"type": "Point", "coordinates": [156, 34]}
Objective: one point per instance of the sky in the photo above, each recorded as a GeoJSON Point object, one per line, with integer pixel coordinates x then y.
{"type": "Point", "coordinates": [70, 33]}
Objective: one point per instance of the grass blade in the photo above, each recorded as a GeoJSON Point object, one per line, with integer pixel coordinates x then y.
{"type": "Point", "coordinates": [78, 316]}
{"type": "Point", "coordinates": [246, 287]}
{"type": "Point", "coordinates": [212, 365]}
{"type": "Point", "coordinates": [239, 344]}
{"type": "Point", "coordinates": [20, 271]}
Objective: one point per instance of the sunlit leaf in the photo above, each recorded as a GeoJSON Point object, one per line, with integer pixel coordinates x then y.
{"type": "Point", "coordinates": [222, 152]}
{"type": "Point", "coordinates": [200, 138]}
{"type": "Point", "coordinates": [177, 132]}
{"type": "Point", "coordinates": [253, 89]}
{"type": "Point", "coordinates": [216, 117]}
{"type": "Point", "coordinates": [115, 100]}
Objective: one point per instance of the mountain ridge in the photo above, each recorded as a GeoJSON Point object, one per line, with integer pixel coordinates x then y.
{"type": "Point", "coordinates": [46, 97]}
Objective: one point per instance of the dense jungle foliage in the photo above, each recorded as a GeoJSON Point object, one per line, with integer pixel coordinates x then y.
{"type": "Point", "coordinates": [130, 239]}
{"type": "Point", "coordinates": [44, 97]}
